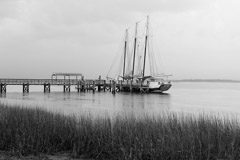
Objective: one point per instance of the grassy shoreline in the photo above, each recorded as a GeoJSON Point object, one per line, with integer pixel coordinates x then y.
{"type": "Point", "coordinates": [27, 131]}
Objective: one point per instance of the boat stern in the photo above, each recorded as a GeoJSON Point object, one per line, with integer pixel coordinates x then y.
{"type": "Point", "coordinates": [165, 86]}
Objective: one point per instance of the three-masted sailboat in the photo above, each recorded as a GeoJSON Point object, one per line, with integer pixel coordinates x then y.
{"type": "Point", "coordinates": [133, 69]}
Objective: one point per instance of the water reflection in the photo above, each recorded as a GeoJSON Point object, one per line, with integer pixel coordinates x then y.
{"type": "Point", "coordinates": [143, 103]}
{"type": "Point", "coordinates": [2, 95]}
{"type": "Point", "coordinates": [98, 103]}
{"type": "Point", "coordinates": [181, 98]}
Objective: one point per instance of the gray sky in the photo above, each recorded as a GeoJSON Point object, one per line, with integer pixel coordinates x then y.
{"type": "Point", "coordinates": [196, 38]}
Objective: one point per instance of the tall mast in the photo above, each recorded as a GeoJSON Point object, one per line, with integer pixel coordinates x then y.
{"type": "Point", "coordinates": [125, 52]}
{"type": "Point", "coordinates": [135, 46]}
{"type": "Point", "coordinates": [145, 49]}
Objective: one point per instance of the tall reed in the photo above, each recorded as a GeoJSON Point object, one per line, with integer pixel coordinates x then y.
{"type": "Point", "coordinates": [27, 131]}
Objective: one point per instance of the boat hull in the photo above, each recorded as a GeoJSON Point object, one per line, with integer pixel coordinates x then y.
{"type": "Point", "coordinates": [145, 88]}
{"type": "Point", "coordinates": [162, 88]}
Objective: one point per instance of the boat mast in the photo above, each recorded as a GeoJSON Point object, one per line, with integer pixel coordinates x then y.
{"type": "Point", "coordinates": [135, 46]}
{"type": "Point", "coordinates": [125, 52]}
{"type": "Point", "coordinates": [145, 49]}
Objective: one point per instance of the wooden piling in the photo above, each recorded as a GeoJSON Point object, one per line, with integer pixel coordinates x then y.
{"type": "Point", "coordinates": [66, 88]}
{"type": "Point", "coordinates": [104, 85]}
{"type": "Point", "coordinates": [93, 88]}
{"type": "Point", "coordinates": [46, 87]}
{"type": "Point", "coordinates": [131, 87]}
{"type": "Point", "coordinates": [141, 88]}
{"type": "Point", "coordinates": [110, 86]}
{"type": "Point", "coordinates": [3, 88]}
{"type": "Point", "coordinates": [113, 87]}
{"type": "Point", "coordinates": [99, 84]}
{"type": "Point", "coordinates": [87, 86]}
{"type": "Point", "coordinates": [83, 86]}
{"type": "Point", "coordinates": [25, 88]}
{"type": "Point", "coordinates": [79, 86]}
{"type": "Point", "coordinates": [121, 88]}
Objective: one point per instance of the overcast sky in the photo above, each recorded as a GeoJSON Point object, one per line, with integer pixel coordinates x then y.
{"type": "Point", "coordinates": [196, 38]}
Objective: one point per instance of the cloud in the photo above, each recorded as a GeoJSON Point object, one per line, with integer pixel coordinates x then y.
{"type": "Point", "coordinates": [8, 8]}
{"type": "Point", "coordinates": [80, 33]}
{"type": "Point", "coordinates": [150, 6]}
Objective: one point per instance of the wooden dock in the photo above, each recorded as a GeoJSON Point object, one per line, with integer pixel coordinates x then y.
{"type": "Point", "coordinates": [75, 79]}
{"type": "Point", "coordinates": [80, 85]}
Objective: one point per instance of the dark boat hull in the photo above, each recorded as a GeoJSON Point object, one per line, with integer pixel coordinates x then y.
{"type": "Point", "coordinates": [162, 88]}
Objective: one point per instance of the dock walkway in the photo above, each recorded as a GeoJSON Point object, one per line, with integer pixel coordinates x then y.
{"type": "Point", "coordinates": [80, 85]}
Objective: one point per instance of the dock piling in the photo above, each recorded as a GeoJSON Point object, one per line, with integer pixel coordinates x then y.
{"type": "Point", "coordinates": [104, 85]}
{"type": "Point", "coordinates": [3, 88]}
{"type": "Point", "coordinates": [131, 87]}
{"type": "Point", "coordinates": [113, 87]}
{"type": "Point", "coordinates": [79, 83]}
{"type": "Point", "coordinates": [99, 84]}
{"type": "Point", "coordinates": [81, 86]}
{"type": "Point", "coordinates": [46, 87]}
{"type": "Point", "coordinates": [25, 87]}
{"type": "Point", "coordinates": [66, 88]}
{"type": "Point", "coordinates": [110, 86]}
{"type": "Point", "coordinates": [121, 88]}
{"type": "Point", "coordinates": [93, 87]}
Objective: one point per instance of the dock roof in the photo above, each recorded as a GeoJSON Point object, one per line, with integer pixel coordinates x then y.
{"type": "Point", "coordinates": [66, 74]}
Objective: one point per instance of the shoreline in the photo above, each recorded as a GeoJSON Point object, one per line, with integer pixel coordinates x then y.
{"type": "Point", "coordinates": [207, 80]}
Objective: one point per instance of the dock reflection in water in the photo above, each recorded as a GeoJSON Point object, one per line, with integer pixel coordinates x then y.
{"type": "Point", "coordinates": [183, 97]}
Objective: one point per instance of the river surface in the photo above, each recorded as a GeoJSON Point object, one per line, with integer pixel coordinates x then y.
{"type": "Point", "coordinates": [186, 97]}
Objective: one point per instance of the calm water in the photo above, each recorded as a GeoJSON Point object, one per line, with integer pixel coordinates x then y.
{"type": "Point", "coordinates": [182, 97]}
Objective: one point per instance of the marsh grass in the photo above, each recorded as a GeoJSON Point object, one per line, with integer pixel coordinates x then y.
{"type": "Point", "coordinates": [27, 131]}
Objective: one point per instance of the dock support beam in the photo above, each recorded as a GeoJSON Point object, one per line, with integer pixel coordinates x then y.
{"type": "Point", "coordinates": [99, 84]}
{"type": "Point", "coordinates": [104, 85]}
{"type": "Point", "coordinates": [131, 87]}
{"type": "Point", "coordinates": [25, 87]}
{"type": "Point", "coordinates": [66, 87]}
{"type": "Point", "coordinates": [47, 87]}
{"type": "Point", "coordinates": [79, 84]}
{"type": "Point", "coordinates": [121, 88]}
{"type": "Point", "coordinates": [110, 86]}
{"type": "Point", "coordinates": [87, 87]}
{"type": "Point", "coordinates": [3, 88]}
{"type": "Point", "coordinates": [113, 87]}
{"type": "Point", "coordinates": [83, 86]}
{"type": "Point", "coordinates": [93, 87]}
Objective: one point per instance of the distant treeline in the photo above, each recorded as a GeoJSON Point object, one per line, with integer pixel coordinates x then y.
{"type": "Point", "coordinates": [208, 80]}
